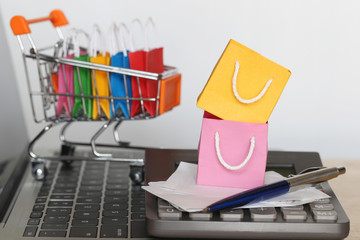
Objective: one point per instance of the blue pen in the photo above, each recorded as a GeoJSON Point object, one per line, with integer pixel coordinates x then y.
{"type": "Point", "coordinates": [275, 189]}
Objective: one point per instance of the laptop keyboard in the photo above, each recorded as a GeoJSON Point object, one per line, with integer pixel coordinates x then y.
{"type": "Point", "coordinates": [88, 199]}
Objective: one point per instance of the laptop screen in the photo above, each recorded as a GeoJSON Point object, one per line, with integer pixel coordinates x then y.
{"type": "Point", "coordinates": [13, 134]}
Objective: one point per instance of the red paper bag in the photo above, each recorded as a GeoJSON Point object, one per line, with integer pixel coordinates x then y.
{"type": "Point", "coordinates": [150, 60]}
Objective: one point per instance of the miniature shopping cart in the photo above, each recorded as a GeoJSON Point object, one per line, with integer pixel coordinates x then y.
{"type": "Point", "coordinates": [44, 95]}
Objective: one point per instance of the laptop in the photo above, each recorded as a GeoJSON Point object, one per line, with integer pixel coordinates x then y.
{"type": "Point", "coordinates": [102, 199]}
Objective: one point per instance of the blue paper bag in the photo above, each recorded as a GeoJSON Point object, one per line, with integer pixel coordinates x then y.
{"type": "Point", "coordinates": [120, 85]}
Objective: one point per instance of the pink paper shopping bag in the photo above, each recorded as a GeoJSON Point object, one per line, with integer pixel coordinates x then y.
{"type": "Point", "coordinates": [232, 153]}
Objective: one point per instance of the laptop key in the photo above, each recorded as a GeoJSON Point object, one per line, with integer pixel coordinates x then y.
{"type": "Point", "coordinates": [87, 207]}
{"type": "Point", "coordinates": [56, 219]}
{"type": "Point", "coordinates": [117, 193]}
{"type": "Point", "coordinates": [114, 220]}
{"type": "Point", "coordinates": [85, 222]}
{"type": "Point", "coordinates": [92, 182]}
{"type": "Point", "coordinates": [51, 233]}
{"type": "Point", "coordinates": [89, 194]}
{"type": "Point", "coordinates": [30, 231]}
{"type": "Point", "coordinates": [115, 206]}
{"type": "Point", "coordinates": [64, 190]}
{"type": "Point", "coordinates": [33, 221]}
{"type": "Point", "coordinates": [115, 213]}
{"type": "Point", "coordinates": [115, 199]}
{"type": "Point", "coordinates": [40, 200]}
{"type": "Point", "coordinates": [58, 211]}
{"type": "Point", "coordinates": [138, 216]}
{"type": "Point", "coordinates": [38, 207]}
{"type": "Point", "coordinates": [36, 214]}
{"type": "Point", "coordinates": [60, 203]}
{"type": "Point", "coordinates": [91, 188]}
{"type": "Point", "coordinates": [86, 215]}
{"type": "Point", "coordinates": [54, 226]}
{"type": "Point", "coordinates": [86, 232]}
{"type": "Point", "coordinates": [138, 229]}
{"type": "Point", "coordinates": [89, 200]}
{"type": "Point", "coordinates": [62, 197]}
{"type": "Point", "coordinates": [113, 231]}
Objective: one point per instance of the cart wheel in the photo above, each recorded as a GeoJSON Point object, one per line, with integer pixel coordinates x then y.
{"type": "Point", "coordinates": [137, 174]}
{"type": "Point", "coordinates": [67, 150]}
{"type": "Point", "coordinates": [39, 170]}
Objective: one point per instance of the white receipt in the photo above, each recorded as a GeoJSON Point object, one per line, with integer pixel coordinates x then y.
{"type": "Point", "coordinates": [182, 191]}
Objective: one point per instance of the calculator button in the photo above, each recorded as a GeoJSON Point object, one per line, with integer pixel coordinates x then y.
{"type": "Point", "coordinates": [322, 206]}
{"type": "Point", "coordinates": [323, 200]}
{"type": "Point", "coordinates": [293, 208]}
{"type": "Point", "coordinates": [169, 213]}
{"type": "Point", "coordinates": [163, 204]}
{"type": "Point", "coordinates": [263, 214]}
{"type": "Point", "coordinates": [294, 215]}
{"type": "Point", "coordinates": [201, 216]}
{"type": "Point", "coordinates": [232, 215]}
{"type": "Point", "coordinates": [325, 216]}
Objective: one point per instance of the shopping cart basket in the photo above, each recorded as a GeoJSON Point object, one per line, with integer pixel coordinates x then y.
{"type": "Point", "coordinates": [43, 92]}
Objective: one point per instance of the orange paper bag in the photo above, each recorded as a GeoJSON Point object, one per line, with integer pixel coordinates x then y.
{"type": "Point", "coordinates": [244, 86]}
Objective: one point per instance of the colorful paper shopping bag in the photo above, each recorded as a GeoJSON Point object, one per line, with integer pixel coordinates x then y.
{"type": "Point", "coordinates": [100, 88]}
{"type": "Point", "coordinates": [150, 60]}
{"type": "Point", "coordinates": [231, 153]}
{"type": "Point", "coordinates": [100, 81]}
{"type": "Point", "coordinates": [66, 88]}
{"type": "Point", "coordinates": [120, 83]}
{"type": "Point", "coordinates": [82, 85]}
{"type": "Point", "coordinates": [244, 86]}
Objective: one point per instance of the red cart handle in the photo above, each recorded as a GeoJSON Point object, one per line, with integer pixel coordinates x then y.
{"type": "Point", "coordinates": [20, 25]}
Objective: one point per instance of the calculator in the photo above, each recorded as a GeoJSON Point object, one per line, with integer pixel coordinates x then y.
{"type": "Point", "coordinates": [323, 219]}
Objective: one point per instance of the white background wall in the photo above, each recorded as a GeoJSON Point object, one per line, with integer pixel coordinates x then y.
{"type": "Point", "coordinates": [319, 41]}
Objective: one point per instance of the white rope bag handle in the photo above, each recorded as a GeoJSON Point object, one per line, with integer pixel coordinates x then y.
{"type": "Point", "coordinates": [76, 41]}
{"type": "Point", "coordinates": [150, 25]}
{"type": "Point", "coordinates": [225, 164]}
{"type": "Point", "coordinates": [96, 42]}
{"type": "Point", "coordinates": [132, 43]}
{"type": "Point", "coordinates": [115, 41]}
{"type": "Point", "coordinates": [247, 101]}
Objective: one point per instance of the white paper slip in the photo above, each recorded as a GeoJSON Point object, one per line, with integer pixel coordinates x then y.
{"type": "Point", "coordinates": [182, 191]}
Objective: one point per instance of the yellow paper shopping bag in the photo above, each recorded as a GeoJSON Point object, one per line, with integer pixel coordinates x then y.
{"type": "Point", "coordinates": [100, 81]}
{"type": "Point", "coordinates": [244, 86]}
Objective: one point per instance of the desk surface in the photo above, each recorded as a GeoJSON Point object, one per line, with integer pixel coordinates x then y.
{"type": "Point", "coordinates": [346, 188]}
